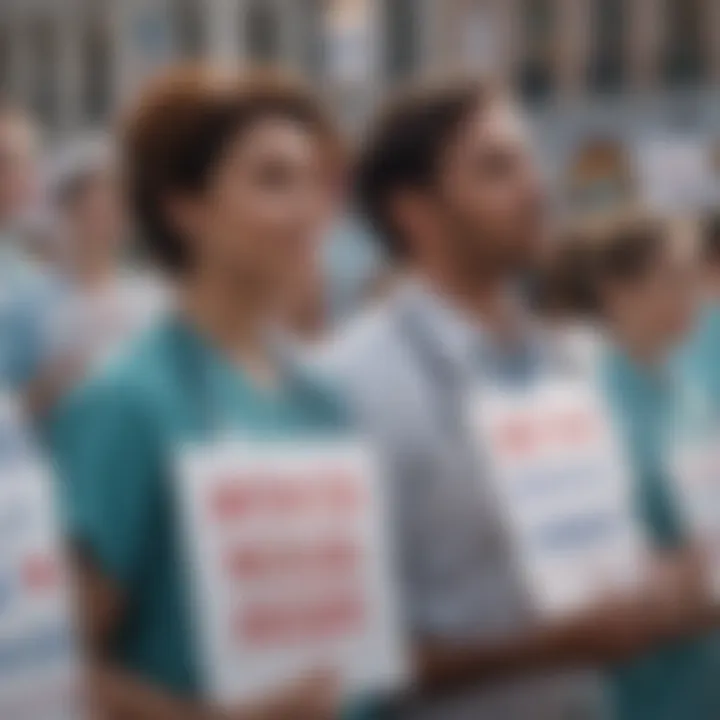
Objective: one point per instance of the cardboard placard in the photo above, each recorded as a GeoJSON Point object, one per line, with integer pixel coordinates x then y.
{"type": "Point", "coordinates": [290, 567]}
{"type": "Point", "coordinates": [562, 484]}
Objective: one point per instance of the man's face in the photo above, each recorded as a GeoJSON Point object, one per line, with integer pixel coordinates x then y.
{"type": "Point", "coordinates": [489, 203]}
{"type": "Point", "coordinates": [18, 170]}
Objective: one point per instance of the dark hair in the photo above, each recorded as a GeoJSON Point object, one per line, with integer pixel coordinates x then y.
{"type": "Point", "coordinates": [711, 238]}
{"type": "Point", "coordinates": [565, 279]}
{"type": "Point", "coordinates": [624, 251]}
{"type": "Point", "coordinates": [405, 147]}
{"type": "Point", "coordinates": [627, 249]}
{"type": "Point", "coordinates": [178, 130]}
{"type": "Point", "coordinates": [588, 257]}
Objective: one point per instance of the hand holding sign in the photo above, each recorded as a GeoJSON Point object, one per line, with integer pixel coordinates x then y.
{"type": "Point", "coordinates": [315, 698]}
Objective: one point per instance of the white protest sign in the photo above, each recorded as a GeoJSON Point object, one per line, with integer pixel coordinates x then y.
{"type": "Point", "coordinates": [562, 483]}
{"type": "Point", "coordinates": [290, 567]}
{"type": "Point", "coordinates": [40, 673]}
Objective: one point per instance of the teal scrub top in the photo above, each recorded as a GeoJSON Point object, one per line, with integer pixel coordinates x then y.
{"type": "Point", "coordinates": [113, 443]}
{"type": "Point", "coordinates": [680, 680]}
{"type": "Point", "coordinates": [701, 356]}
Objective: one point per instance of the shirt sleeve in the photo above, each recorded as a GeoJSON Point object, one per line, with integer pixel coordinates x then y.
{"type": "Point", "coordinates": [107, 454]}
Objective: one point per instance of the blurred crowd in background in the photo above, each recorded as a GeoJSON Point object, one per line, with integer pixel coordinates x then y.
{"type": "Point", "coordinates": [399, 216]}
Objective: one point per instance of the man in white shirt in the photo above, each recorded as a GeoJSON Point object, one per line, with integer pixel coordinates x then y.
{"type": "Point", "coordinates": [448, 181]}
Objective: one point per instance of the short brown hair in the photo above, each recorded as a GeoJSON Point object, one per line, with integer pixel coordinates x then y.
{"type": "Point", "coordinates": [565, 277]}
{"type": "Point", "coordinates": [625, 249]}
{"type": "Point", "coordinates": [406, 144]}
{"type": "Point", "coordinates": [588, 256]}
{"type": "Point", "coordinates": [178, 130]}
{"type": "Point", "coordinates": [710, 232]}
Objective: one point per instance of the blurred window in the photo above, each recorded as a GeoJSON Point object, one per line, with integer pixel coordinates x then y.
{"type": "Point", "coordinates": [607, 63]}
{"type": "Point", "coordinates": [480, 31]}
{"type": "Point", "coordinates": [262, 31]}
{"type": "Point", "coordinates": [45, 64]}
{"type": "Point", "coordinates": [5, 61]}
{"type": "Point", "coordinates": [685, 50]}
{"type": "Point", "coordinates": [313, 18]}
{"type": "Point", "coordinates": [539, 25]}
{"type": "Point", "coordinates": [98, 70]}
{"type": "Point", "coordinates": [189, 22]}
{"type": "Point", "coordinates": [402, 47]}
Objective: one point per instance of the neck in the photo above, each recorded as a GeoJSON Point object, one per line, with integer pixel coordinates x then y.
{"type": "Point", "coordinates": [90, 271]}
{"type": "Point", "coordinates": [640, 346]}
{"type": "Point", "coordinates": [228, 313]}
{"type": "Point", "coordinates": [486, 302]}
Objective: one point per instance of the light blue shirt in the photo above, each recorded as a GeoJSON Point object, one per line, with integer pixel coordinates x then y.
{"type": "Point", "coordinates": [27, 296]}
{"type": "Point", "coordinates": [407, 371]}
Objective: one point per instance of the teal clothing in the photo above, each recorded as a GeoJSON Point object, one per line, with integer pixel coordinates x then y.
{"type": "Point", "coordinates": [643, 403]}
{"type": "Point", "coordinates": [113, 445]}
{"type": "Point", "coordinates": [679, 681]}
{"type": "Point", "coordinates": [702, 353]}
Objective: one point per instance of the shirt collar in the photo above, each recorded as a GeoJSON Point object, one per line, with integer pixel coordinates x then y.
{"type": "Point", "coordinates": [455, 337]}
{"type": "Point", "coordinates": [462, 341]}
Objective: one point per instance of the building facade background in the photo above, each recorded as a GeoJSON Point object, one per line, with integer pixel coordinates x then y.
{"type": "Point", "coordinates": [601, 78]}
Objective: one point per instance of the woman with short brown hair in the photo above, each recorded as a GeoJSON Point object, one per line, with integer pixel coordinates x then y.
{"type": "Point", "coordinates": [225, 178]}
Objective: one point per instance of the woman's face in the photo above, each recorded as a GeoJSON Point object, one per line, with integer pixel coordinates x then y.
{"type": "Point", "coordinates": [261, 214]}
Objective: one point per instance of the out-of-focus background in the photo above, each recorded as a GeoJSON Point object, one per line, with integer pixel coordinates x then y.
{"type": "Point", "coordinates": [619, 90]}
{"type": "Point", "coordinates": [623, 100]}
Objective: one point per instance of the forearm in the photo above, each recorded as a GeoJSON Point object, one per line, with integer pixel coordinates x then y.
{"type": "Point", "coordinates": [118, 696]}
{"type": "Point", "coordinates": [446, 666]}
{"type": "Point", "coordinates": [41, 395]}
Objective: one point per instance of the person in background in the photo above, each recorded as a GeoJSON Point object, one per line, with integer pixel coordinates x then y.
{"type": "Point", "coordinates": [645, 279]}
{"type": "Point", "coordinates": [562, 296]}
{"type": "Point", "coordinates": [703, 351]}
{"type": "Point", "coordinates": [447, 180]}
{"type": "Point", "coordinates": [223, 176]}
{"type": "Point", "coordinates": [102, 304]}
{"type": "Point", "coordinates": [27, 288]}
{"type": "Point", "coordinates": [710, 255]}
{"type": "Point", "coordinates": [19, 172]}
